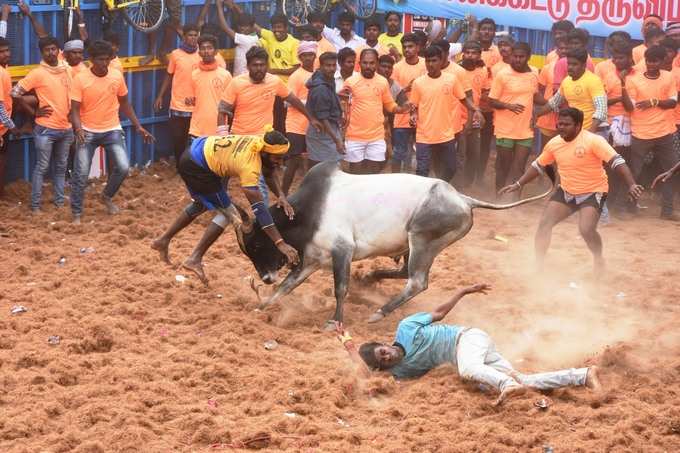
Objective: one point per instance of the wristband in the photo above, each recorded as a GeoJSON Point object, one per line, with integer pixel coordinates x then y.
{"type": "Point", "coordinates": [516, 183]}
{"type": "Point", "coordinates": [262, 214]}
{"type": "Point", "coordinates": [278, 241]}
{"type": "Point", "coordinates": [81, 25]}
{"type": "Point", "coordinates": [344, 338]}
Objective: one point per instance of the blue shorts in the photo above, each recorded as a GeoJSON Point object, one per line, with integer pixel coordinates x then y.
{"type": "Point", "coordinates": [204, 186]}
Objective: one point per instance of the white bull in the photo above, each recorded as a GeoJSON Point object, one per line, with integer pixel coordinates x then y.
{"type": "Point", "coordinates": [340, 218]}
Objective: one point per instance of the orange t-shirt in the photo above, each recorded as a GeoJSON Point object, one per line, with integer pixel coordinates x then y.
{"type": "Point", "coordinates": [551, 57]}
{"type": "Point", "coordinates": [116, 64]}
{"type": "Point", "coordinates": [323, 46]}
{"type": "Point", "coordinates": [514, 87]}
{"type": "Point", "coordinates": [52, 90]}
{"type": "Point", "coordinates": [458, 71]}
{"type": "Point", "coordinates": [612, 86]}
{"type": "Point", "coordinates": [579, 162]}
{"type": "Point", "coordinates": [498, 67]}
{"type": "Point", "coordinates": [476, 81]}
{"type": "Point", "coordinates": [438, 101]}
{"type": "Point", "coordinates": [98, 97]}
{"type": "Point", "coordinates": [208, 88]}
{"type": "Point", "coordinates": [639, 53]}
{"type": "Point", "coordinates": [404, 74]}
{"type": "Point", "coordinates": [603, 68]}
{"type": "Point", "coordinates": [77, 69]}
{"type": "Point", "coordinates": [296, 122]}
{"type": "Point", "coordinates": [181, 65]}
{"type": "Point", "coordinates": [368, 98]}
{"type": "Point", "coordinates": [253, 102]}
{"type": "Point", "coordinates": [653, 122]}
{"type": "Point", "coordinates": [491, 56]}
{"type": "Point", "coordinates": [5, 96]}
{"type": "Point", "coordinates": [545, 78]}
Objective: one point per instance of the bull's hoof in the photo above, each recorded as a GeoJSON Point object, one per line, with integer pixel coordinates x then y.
{"type": "Point", "coordinates": [375, 317]}
{"type": "Point", "coordinates": [329, 326]}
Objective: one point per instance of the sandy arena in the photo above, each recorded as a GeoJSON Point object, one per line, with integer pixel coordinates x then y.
{"type": "Point", "coordinates": [147, 363]}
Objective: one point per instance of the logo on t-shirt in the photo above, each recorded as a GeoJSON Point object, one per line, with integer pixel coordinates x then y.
{"type": "Point", "coordinates": [376, 91]}
{"type": "Point", "coordinates": [578, 90]}
{"type": "Point", "coordinates": [217, 84]}
{"type": "Point", "coordinates": [277, 53]}
{"type": "Point", "coordinates": [446, 90]}
{"type": "Point", "coordinates": [580, 151]}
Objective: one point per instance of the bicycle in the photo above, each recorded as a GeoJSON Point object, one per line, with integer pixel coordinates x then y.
{"type": "Point", "coordinates": [142, 15]}
{"type": "Point", "coordinates": [297, 10]}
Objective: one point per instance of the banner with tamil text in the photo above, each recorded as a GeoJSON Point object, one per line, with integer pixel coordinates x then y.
{"type": "Point", "coordinates": [599, 17]}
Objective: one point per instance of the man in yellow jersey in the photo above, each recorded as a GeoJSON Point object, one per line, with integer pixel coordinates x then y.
{"type": "Point", "coordinates": [391, 39]}
{"type": "Point", "coordinates": [203, 167]}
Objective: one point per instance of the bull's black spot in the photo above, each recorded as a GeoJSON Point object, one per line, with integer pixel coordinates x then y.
{"type": "Point", "coordinates": [309, 203]}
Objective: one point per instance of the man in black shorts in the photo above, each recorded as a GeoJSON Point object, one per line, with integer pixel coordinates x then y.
{"type": "Point", "coordinates": [579, 155]}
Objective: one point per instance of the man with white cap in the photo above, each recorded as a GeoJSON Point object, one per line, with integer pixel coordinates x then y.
{"type": "Point", "coordinates": [73, 54]}
{"type": "Point", "coordinates": [296, 121]}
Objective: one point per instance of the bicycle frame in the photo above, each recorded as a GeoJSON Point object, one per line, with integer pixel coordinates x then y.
{"type": "Point", "coordinates": [112, 5]}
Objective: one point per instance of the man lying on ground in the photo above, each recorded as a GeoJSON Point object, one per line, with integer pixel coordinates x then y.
{"type": "Point", "coordinates": [420, 345]}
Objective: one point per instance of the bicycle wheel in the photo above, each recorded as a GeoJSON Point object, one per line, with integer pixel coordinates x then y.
{"type": "Point", "coordinates": [363, 9]}
{"type": "Point", "coordinates": [145, 16]}
{"type": "Point", "coordinates": [319, 6]}
{"type": "Point", "coordinates": [296, 11]}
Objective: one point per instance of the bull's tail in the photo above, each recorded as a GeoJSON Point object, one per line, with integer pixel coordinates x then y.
{"type": "Point", "coordinates": [474, 203]}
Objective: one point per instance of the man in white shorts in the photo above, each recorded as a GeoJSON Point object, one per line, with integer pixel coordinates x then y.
{"type": "Point", "coordinates": [369, 94]}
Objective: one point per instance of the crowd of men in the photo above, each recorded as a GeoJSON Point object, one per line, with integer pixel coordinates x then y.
{"type": "Point", "coordinates": [322, 94]}
{"type": "Point", "coordinates": [383, 98]}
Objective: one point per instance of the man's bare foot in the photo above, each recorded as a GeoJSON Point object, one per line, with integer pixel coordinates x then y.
{"type": "Point", "coordinates": [509, 392]}
{"type": "Point", "coordinates": [76, 220]}
{"type": "Point", "coordinates": [599, 265]}
{"type": "Point", "coordinates": [146, 60]}
{"type": "Point", "coordinates": [593, 379]}
{"type": "Point", "coordinates": [110, 206]}
{"type": "Point", "coordinates": [162, 246]}
{"type": "Point", "coordinates": [35, 211]}
{"type": "Point", "coordinates": [197, 268]}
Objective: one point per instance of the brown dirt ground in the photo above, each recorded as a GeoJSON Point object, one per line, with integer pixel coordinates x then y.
{"type": "Point", "coordinates": [149, 364]}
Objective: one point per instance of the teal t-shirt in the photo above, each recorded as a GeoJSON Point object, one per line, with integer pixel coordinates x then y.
{"type": "Point", "coordinates": [426, 345]}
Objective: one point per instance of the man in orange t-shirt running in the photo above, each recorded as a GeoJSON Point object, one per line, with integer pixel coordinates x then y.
{"type": "Point", "coordinates": [97, 97]}
{"type": "Point", "coordinates": [579, 155]}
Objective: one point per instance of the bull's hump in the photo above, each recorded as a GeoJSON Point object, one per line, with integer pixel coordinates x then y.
{"type": "Point", "coordinates": [309, 202]}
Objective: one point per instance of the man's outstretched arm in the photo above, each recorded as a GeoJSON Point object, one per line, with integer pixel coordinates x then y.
{"type": "Point", "coordinates": [352, 350]}
{"type": "Point", "coordinates": [440, 312]}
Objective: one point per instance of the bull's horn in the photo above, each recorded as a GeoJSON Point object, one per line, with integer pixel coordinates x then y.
{"type": "Point", "coordinates": [247, 226]}
{"type": "Point", "coordinates": [239, 237]}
